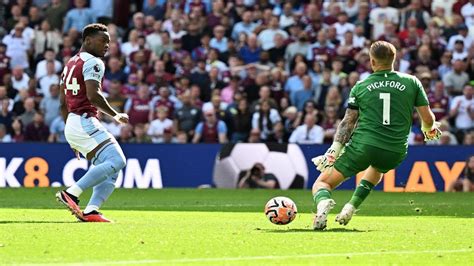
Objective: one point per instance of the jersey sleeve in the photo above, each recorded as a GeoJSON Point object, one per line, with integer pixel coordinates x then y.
{"type": "Point", "coordinates": [421, 98]}
{"type": "Point", "coordinates": [93, 69]}
{"type": "Point", "coordinates": [352, 102]}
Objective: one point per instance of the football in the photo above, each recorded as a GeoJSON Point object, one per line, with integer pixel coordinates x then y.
{"type": "Point", "coordinates": [280, 210]}
{"type": "Point", "coordinates": [285, 161]}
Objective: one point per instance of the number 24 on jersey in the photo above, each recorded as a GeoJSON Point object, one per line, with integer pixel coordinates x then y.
{"type": "Point", "coordinates": [71, 84]}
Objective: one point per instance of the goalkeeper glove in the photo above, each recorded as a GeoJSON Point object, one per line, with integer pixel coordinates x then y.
{"type": "Point", "coordinates": [431, 133]}
{"type": "Point", "coordinates": [323, 162]}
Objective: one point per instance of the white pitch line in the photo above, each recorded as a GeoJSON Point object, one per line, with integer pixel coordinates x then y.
{"type": "Point", "coordinates": [251, 258]}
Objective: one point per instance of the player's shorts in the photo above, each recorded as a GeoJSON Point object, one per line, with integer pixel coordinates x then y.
{"type": "Point", "coordinates": [84, 133]}
{"type": "Point", "coordinates": [357, 157]}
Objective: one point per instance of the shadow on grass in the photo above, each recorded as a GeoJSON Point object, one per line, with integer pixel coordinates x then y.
{"type": "Point", "coordinates": [309, 230]}
{"type": "Point", "coordinates": [37, 222]}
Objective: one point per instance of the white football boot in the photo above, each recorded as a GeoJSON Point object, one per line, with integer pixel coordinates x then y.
{"type": "Point", "coordinates": [321, 217]}
{"type": "Point", "coordinates": [346, 214]}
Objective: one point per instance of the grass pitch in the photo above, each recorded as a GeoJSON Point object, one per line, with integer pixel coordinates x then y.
{"type": "Point", "coordinates": [228, 227]}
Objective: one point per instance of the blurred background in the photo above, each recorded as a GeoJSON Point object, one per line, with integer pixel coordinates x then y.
{"type": "Point", "coordinates": [203, 71]}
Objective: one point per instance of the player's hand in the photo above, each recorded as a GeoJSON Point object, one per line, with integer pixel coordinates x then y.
{"type": "Point", "coordinates": [121, 118]}
{"type": "Point", "coordinates": [432, 133]}
{"type": "Point", "coordinates": [326, 161]}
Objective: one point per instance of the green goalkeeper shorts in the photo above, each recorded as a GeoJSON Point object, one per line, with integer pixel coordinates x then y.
{"type": "Point", "coordinates": [357, 157]}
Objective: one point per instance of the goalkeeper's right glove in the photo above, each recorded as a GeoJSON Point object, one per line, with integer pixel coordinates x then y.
{"type": "Point", "coordinates": [323, 162]}
{"type": "Point", "coordinates": [431, 133]}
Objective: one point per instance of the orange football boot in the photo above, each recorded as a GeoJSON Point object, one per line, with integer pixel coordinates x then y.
{"type": "Point", "coordinates": [71, 203]}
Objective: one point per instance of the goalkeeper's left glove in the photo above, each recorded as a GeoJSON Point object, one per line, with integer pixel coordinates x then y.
{"type": "Point", "coordinates": [323, 162]}
{"type": "Point", "coordinates": [431, 133]}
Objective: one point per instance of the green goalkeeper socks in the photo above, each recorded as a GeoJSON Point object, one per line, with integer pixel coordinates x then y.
{"type": "Point", "coordinates": [361, 192]}
{"type": "Point", "coordinates": [321, 194]}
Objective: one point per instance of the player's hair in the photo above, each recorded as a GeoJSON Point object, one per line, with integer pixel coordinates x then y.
{"type": "Point", "coordinates": [383, 52]}
{"type": "Point", "coordinates": [92, 29]}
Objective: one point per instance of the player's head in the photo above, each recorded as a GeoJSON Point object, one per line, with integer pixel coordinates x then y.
{"type": "Point", "coordinates": [95, 39]}
{"type": "Point", "coordinates": [382, 55]}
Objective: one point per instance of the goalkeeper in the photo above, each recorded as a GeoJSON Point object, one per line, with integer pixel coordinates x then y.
{"type": "Point", "coordinates": [373, 134]}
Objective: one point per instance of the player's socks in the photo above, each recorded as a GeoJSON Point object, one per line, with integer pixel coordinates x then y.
{"type": "Point", "coordinates": [361, 192]}
{"type": "Point", "coordinates": [90, 209]}
{"type": "Point", "coordinates": [321, 194]}
{"type": "Point", "coordinates": [74, 190]}
{"type": "Point", "coordinates": [109, 161]}
{"type": "Point", "coordinates": [102, 191]}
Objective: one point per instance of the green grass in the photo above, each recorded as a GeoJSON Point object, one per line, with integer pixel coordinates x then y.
{"type": "Point", "coordinates": [228, 227]}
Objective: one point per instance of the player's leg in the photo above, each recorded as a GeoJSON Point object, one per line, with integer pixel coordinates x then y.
{"type": "Point", "coordinates": [100, 194]}
{"type": "Point", "coordinates": [111, 159]}
{"type": "Point", "coordinates": [371, 178]}
{"type": "Point", "coordinates": [322, 188]}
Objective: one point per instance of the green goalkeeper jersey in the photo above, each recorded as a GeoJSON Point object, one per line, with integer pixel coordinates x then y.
{"type": "Point", "coordinates": [386, 100]}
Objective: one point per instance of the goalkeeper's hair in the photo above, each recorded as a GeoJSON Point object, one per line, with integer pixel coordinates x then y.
{"type": "Point", "coordinates": [383, 52]}
{"type": "Point", "coordinates": [93, 29]}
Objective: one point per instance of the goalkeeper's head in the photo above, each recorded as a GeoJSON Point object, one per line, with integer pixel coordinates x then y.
{"type": "Point", "coordinates": [382, 55]}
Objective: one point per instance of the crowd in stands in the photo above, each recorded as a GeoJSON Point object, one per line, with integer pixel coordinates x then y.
{"type": "Point", "coordinates": [215, 71]}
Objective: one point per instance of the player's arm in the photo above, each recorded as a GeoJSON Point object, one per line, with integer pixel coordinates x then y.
{"type": "Point", "coordinates": [429, 126]}
{"type": "Point", "coordinates": [95, 96]}
{"type": "Point", "coordinates": [342, 136]}
{"type": "Point", "coordinates": [346, 127]}
{"type": "Point", "coordinates": [62, 102]}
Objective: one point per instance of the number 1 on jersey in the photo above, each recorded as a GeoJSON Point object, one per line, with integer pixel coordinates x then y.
{"type": "Point", "coordinates": [72, 86]}
{"type": "Point", "coordinates": [385, 97]}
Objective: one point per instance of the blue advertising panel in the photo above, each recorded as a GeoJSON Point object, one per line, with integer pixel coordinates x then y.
{"type": "Point", "coordinates": [426, 168]}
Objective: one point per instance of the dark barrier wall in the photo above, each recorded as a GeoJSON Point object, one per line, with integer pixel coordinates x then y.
{"type": "Point", "coordinates": [426, 169]}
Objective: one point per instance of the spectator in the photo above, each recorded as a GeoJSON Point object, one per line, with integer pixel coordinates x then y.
{"type": "Point", "coordinates": [41, 67]}
{"type": "Point", "coordinates": [463, 36]}
{"type": "Point", "coordinates": [17, 47]}
{"type": "Point", "coordinates": [381, 14]}
{"type": "Point", "coordinates": [455, 79]}
{"type": "Point", "coordinates": [138, 106]}
{"type": "Point", "coordinates": [77, 18]}
{"type": "Point", "coordinates": [322, 50]}
{"type": "Point", "coordinates": [17, 130]}
{"type": "Point", "coordinates": [115, 70]}
{"type": "Point", "coordinates": [219, 41]}
{"type": "Point", "coordinates": [330, 123]}
{"type": "Point", "coordinates": [102, 10]}
{"type": "Point", "coordinates": [188, 116]}
{"type": "Point", "coordinates": [4, 100]}
{"type": "Point", "coordinates": [192, 39]}
{"type": "Point", "coordinates": [115, 97]}
{"type": "Point", "coordinates": [55, 14]}
{"type": "Point", "coordinates": [462, 109]}
{"type": "Point", "coordinates": [37, 130]}
{"type": "Point", "coordinates": [264, 95]}
{"type": "Point", "coordinates": [211, 130]}
{"type": "Point", "coordinates": [466, 182]}
{"type": "Point", "coordinates": [295, 82]}
{"type": "Point", "coordinates": [125, 134]}
{"type": "Point", "coordinates": [48, 80]}
{"type": "Point", "coordinates": [267, 37]}
{"type": "Point", "coordinates": [306, 93]}
{"type": "Point", "coordinates": [158, 125]}
{"type": "Point", "coordinates": [265, 121]}
{"type": "Point", "coordinates": [140, 135]}
{"type": "Point", "coordinates": [4, 136]}
{"type": "Point", "coordinates": [342, 25]}
{"type": "Point", "coordinates": [164, 99]}
{"type": "Point", "coordinates": [308, 133]}
{"type": "Point", "coordinates": [46, 38]}
{"type": "Point", "coordinates": [56, 130]}
{"type": "Point", "coordinates": [439, 102]}
{"type": "Point", "coordinates": [301, 47]}
{"type": "Point", "coordinates": [50, 105]}
{"type": "Point", "coordinates": [154, 9]}
{"type": "Point", "coordinates": [250, 53]}
{"type": "Point", "coordinates": [256, 177]}
{"type": "Point", "coordinates": [29, 113]}
{"type": "Point", "coordinates": [246, 26]}
{"type": "Point", "coordinates": [241, 121]}
{"type": "Point", "coordinates": [415, 10]}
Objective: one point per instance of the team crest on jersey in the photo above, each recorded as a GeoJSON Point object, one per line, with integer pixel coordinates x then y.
{"type": "Point", "coordinates": [97, 68]}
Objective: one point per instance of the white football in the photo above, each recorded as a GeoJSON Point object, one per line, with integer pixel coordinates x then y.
{"type": "Point", "coordinates": [281, 210]}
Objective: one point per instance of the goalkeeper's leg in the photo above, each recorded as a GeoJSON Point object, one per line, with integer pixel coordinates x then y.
{"type": "Point", "coordinates": [326, 182]}
{"type": "Point", "coordinates": [371, 178]}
